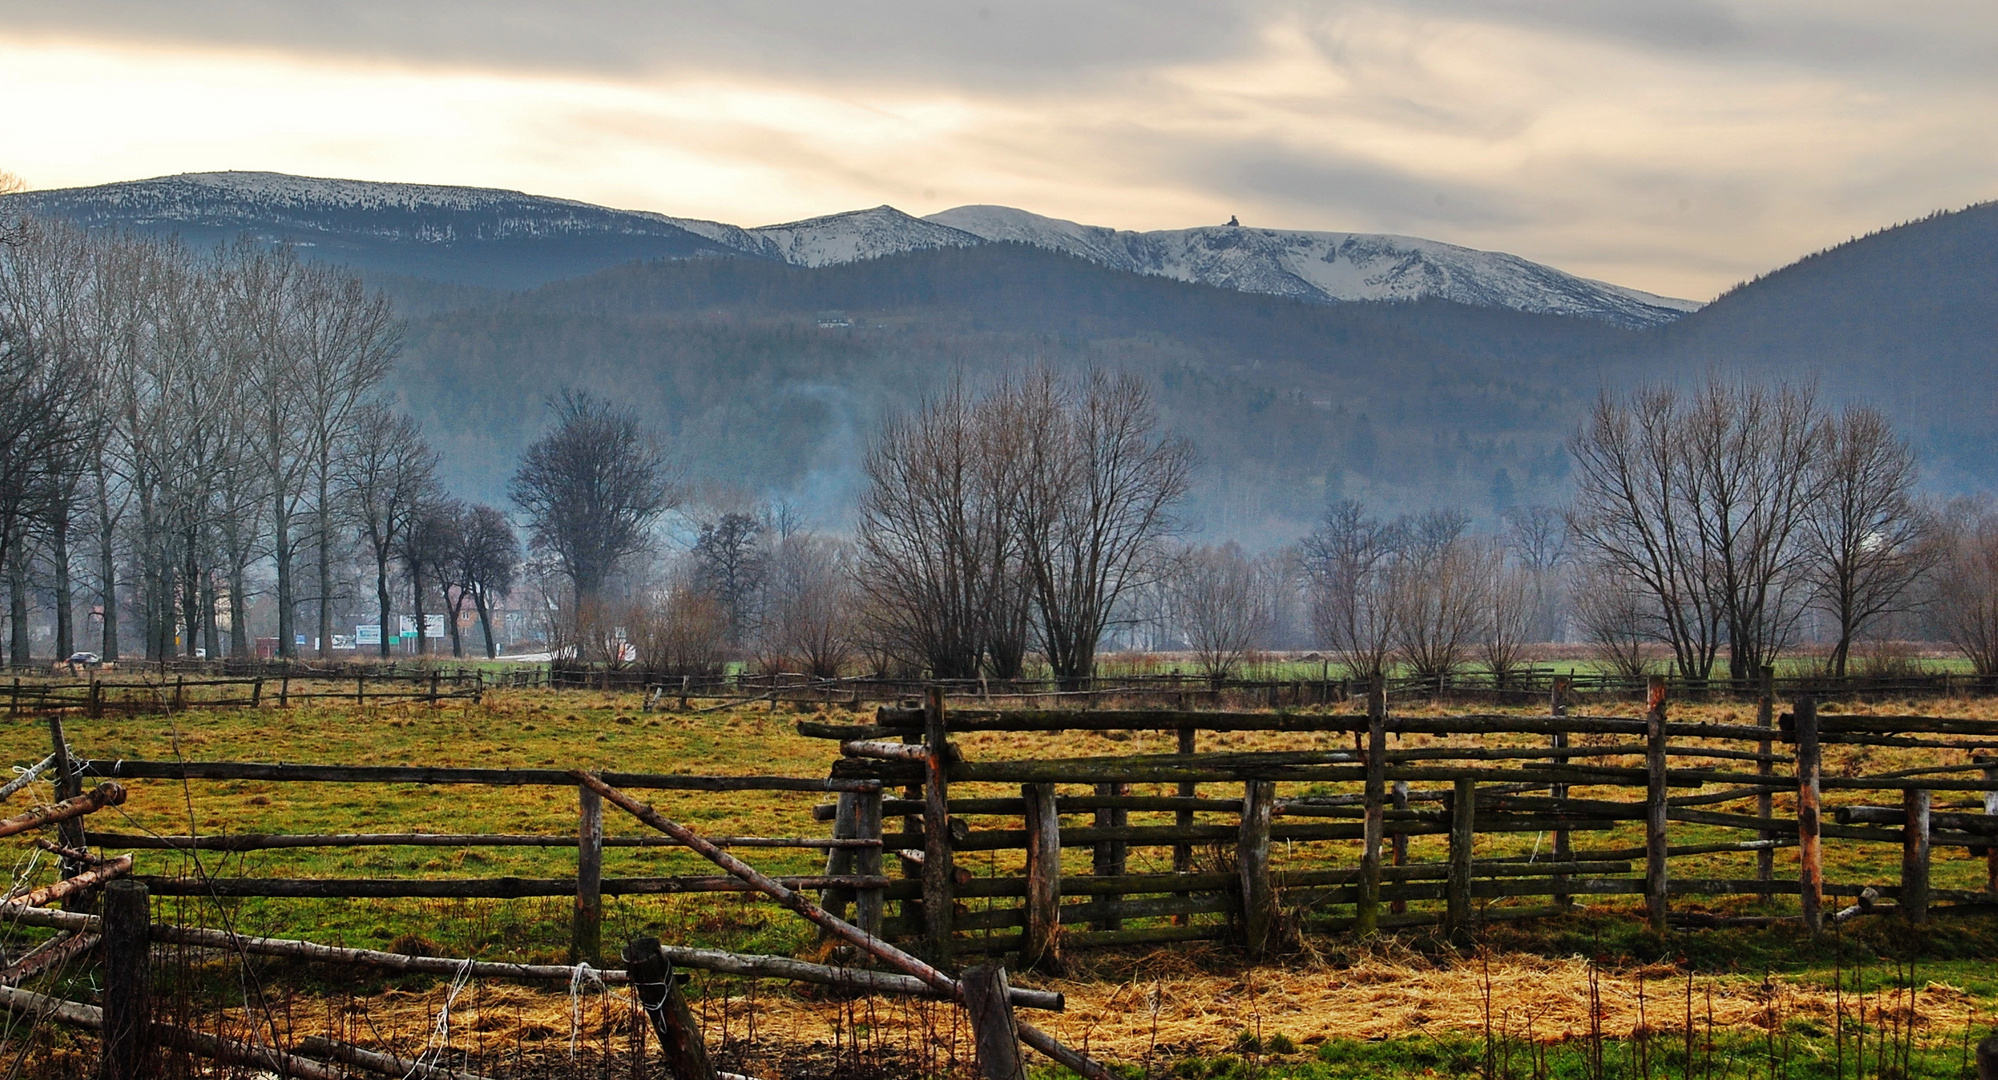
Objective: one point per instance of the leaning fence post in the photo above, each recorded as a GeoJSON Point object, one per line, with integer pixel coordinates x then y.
{"type": "Point", "coordinates": [1654, 808]}
{"type": "Point", "coordinates": [1915, 855]}
{"type": "Point", "coordinates": [938, 868]}
{"type": "Point", "coordinates": [128, 1008]}
{"type": "Point", "coordinates": [1110, 856]}
{"type": "Point", "coordinates": [68, 786]}
{"type": "Point", "coordinates": [988, 1003]}
{"type": "Point", "coordinates": [586, 932]}
{"type": "Point", "coordinates": [659, 995]}
{"type": "Point", "coordinates": [1810, 854]}
{"type": "Point", "coordinates": [1368, 918]}
{"type": "Point", "coordinates": [1765, 805]}
{"type": "Point", "coordinates": [1252, 859]}
{"type": "Point", "coordinates": [1557, 707]}
{"type": "Point", "coordinates": [1040, 948]}
{"type": "Point", "coordinates": [1463, 841]}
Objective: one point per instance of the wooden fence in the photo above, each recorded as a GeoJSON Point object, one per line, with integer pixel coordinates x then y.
{"type": "Point", "coordinates": [1462, 792]}
{"type": "Point", "coordinates": [98, 696]}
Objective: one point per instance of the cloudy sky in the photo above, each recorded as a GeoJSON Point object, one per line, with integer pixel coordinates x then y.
{"type": "Point", "coordinates": [1671, 145]}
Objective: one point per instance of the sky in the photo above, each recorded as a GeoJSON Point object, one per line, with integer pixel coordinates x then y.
{"type": "Point", "coordinates": [1678, 146]}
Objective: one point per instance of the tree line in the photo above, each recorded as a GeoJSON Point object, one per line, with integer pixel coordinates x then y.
{"type": "Point", "coordinates": [187, 435]}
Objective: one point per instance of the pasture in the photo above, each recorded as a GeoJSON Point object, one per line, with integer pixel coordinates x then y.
{"type": "Point", "coordinates": [1587, 994]}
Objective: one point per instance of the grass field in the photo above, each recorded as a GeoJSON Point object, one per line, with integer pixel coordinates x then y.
{"type": "Point", "coordinates": [1335, 1010]}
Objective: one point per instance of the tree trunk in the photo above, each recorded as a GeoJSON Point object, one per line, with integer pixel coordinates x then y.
{"type": "Point", "coordinates": [324, 515]}
{"type": "Point", "coordinates": [451, 624]}
{"type": "Point", "coordinates": [239, 611]}
{"type": "Point", "coordinates": [211, 634]}
{"type": "Point", "coordinates": [382, 600]}
{"type": "Point", "coordinates": [281, 556]}
{"type": "Point", "coordinates": [65, 600]}
{"type": "Point", "coordinates": [486, 623]}
{"type": "Point", "coordinates": [17, 608]}
{"type": "Point", "coordinates": [416, 601]}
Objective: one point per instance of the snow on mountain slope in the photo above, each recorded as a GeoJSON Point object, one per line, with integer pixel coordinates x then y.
{"type": "Point", "coordinates": [856, 235]}
{"type": "Point", "coordinates": [512, 239]}
{"type": "Point", "coordinates": [1325, 266]}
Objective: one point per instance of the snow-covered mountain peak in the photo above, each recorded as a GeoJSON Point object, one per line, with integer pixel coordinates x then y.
{"type": "Point", "coordinates": [856, 235]}
{"type": "Point", "coordinates": [1325, 266]}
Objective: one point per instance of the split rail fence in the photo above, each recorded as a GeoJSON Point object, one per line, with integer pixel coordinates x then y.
{"type": "Point", "coordinates": [96, 697]}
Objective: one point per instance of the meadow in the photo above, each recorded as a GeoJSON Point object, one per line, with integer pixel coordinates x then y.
{"type": "Point", "coordinates": [1587, 994]}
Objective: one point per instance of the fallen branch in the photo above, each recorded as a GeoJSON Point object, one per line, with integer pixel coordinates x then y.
{"type": "Point", "coordinates": [109, 793]}
{"type": "Point", "coordinates": [51, 953]}
{"type": "Point", "coordinates": [387, 1064]}
{"type": "Point", "coordinates": [1032, 1036]}
{"type": "Point", "coordinates": [75, 1014]}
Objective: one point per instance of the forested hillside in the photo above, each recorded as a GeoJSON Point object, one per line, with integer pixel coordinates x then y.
{"type": "Point", "coordinates": [1289, 402]}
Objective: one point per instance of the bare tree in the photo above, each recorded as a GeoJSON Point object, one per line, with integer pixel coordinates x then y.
{"type": "Point", "coordinates": [1440, 596]}
{"type": "Point", "coordinates": [1221, 605]}
{"type": "Point", "coordinates": [488, 560]}
{"type": "Point", "coordinates": [1700, 500]}
{"type": "Point", "coordinates": [808, 609]}
{"type": "Point", "coordinates": [731, 563]}
{"type": "Point", "coordinates": [1100, 481]}
{"type": "Point", "coordinates": [1512, 595]}
{"type": "Point", "coordinates": [1617, 618]}
{"type": "Point", "coordinates": [592, 490]}
{"type": "Point", "coordinates": [1536, 539]}
{"type": "Point", "coordinates": [387, 475]}
{"type": "Point", "coordinates": [429, 545]}
{"type": "Point", "coordinates": [1348, 561]}
{"type": "Point", "coordinates": [937, 553]}
{"type": "Point", "coordinates": [682, 631]}
{"type": "Point", "coordinates": [1965, 604]}
{"type": "Point", "coordinates": [1866, 541]}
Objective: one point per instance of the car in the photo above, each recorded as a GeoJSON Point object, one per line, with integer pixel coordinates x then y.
{"type": "Point", "coordinates": [84, 659]}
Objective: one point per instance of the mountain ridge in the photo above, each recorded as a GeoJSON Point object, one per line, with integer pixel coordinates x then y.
{"type": "Point", "coordinates": [496, 237]}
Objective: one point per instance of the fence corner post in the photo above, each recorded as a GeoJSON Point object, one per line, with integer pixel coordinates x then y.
{"type": "Point", "coordinates": [1810, 853]}
{"type": "Point", "coordinates": [1655, 847]}
{"type": "Point", "coordinates": [586, 931]}
{"type": "Point", "coordinates": [1765, 806]}
{"type": "Point", "coordinates": [988, 1004]}
{"type": "Point", "coordinates": [867, 903]}
{"type": "Point", "coordinates": [658, 990]}
{"type": "Point", "coordinates": [128, 1015]}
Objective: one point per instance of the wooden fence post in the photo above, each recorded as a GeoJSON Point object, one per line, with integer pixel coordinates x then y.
{"type": "Point", "coordinates": [1368, 920]}
{"type": "Point", "coordinates": [1987, 1058]}
{"type": "Point", "coordinates": [96, 706]}
{"type": "Point", "coordinates": [1654, 809]}
{"type": "Point", "coordinates": [586, 932]}
{"type": "Point", "coordinates": [284, 691]}
{"type": "Point", "coordinates": [68, 785]}
{"type": "Point", "coordinates": [867, 903]}
{"type": "Point", "coordinates": [939, 889]}
{"type": "Point", "coordinates": [128, 975]}
{"type": "Point", "coordinates": [1252, 859]}
{"type": "Point", "coordinates": [1810, 856]}
{"type": "Point", "coordinates": [1557, 706]}
{"type": "Point", "coordinates": [256, 693]}
{"type": "Point", "coordinates": [1400, 845]}
{"type": "Point", "coordinates": [1110, 856]}
{"type": "Point", "coordinates": [1463, 840]}
{"type": "Point", "coordinates": [1765, 806]}
{"type": "Point", "coordinates": [1182, 854]}
{"type": "Point", "coordinates": [988, 1004]}
{"type": "Point", "coordinates": [1990, 810]}
{"type": "Point", "coordinates": [1040, 948]}
{"type": "Point", "coordinates": [1915, 855]}
{"type": "Point", "coordinates": [658, 990]}
{"type": "Point", "coordinates": [839, 860]}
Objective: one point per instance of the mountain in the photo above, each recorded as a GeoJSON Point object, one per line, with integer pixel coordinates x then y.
{"type": "Point", "coordinates": [1905, 318]}
{"type": "Point", "coordinates": [505, 239]}
{"type": "Point", "coordinates": [1327, 266]}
